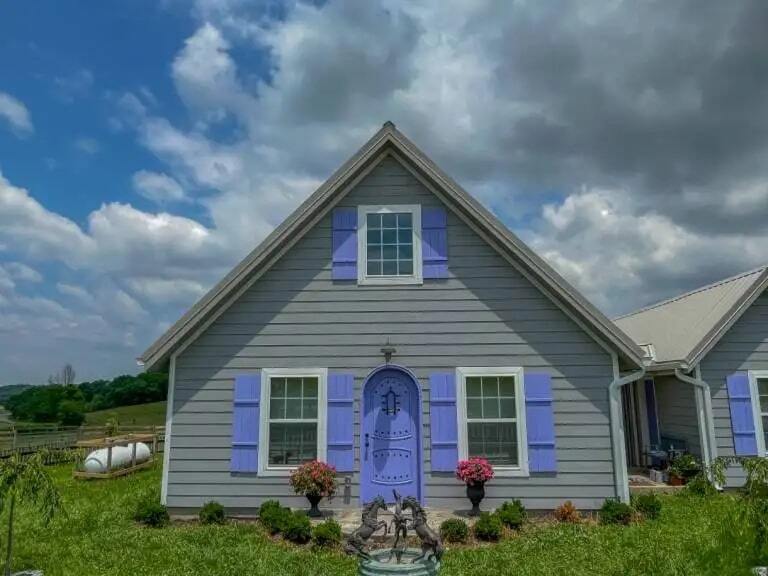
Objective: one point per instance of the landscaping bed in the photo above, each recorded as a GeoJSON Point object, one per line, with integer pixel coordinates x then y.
{"type": "Point", "coordinates": [98, 536]}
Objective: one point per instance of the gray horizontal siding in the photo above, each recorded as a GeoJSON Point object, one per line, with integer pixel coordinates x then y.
{"type": "Point", "coordinates": [744, 347]}
{"type": "Point", "coordinates": [484, 314]}
{"type": "Point", "coordinates": [677, 411]}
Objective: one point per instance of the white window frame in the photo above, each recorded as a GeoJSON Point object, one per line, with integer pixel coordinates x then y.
{"type": "Point", "coordinates": [322, 415]}
{"type": "Point", "coordinates": [461, 406]}
{"type": "Point", "coordinates": [757, 414]}
{"type": "Point", "coordinates": [362, 245]}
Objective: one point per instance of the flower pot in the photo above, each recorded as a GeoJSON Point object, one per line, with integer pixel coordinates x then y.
{"type": "Point", "coordinates": [314, 500]}
{"type": "Point", "coordinates": [475, 493]}
{"type": "Point", "coordinates": [675, 480]}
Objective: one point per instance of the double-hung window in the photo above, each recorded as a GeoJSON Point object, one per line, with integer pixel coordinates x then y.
{"type": "Point", "coordinates": [389, 244]}
{"type": "Point", "coordinates": [292, 417]}
{"type": "Point", "coordinates": [491, 408]}
{"type": "Point", "coordinates": [759, 392]}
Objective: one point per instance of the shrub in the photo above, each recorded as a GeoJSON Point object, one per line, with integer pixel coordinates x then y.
{"type": "Point", "coordinates": [314, 478]}
{"type": "Point", "coordinates": [297, 527]}
{"type": "Point", "coordinates": [685, 466]}
{"type": "Point", "coordinates": [274, 517]}
{"type": "Point", "coordinates": [150, 512]}
{"type": "Point", "coordinates": [212, 513]}
{"type": "Point", "coordinates": [614, 511]}
{"type": "Point", "coordinates": [326, 533]}
{"type": "Point", "coordinates": [700, 485]}
{"type": "Point", "coordinates": [648, 504]}
{"type": "Point", "coordinates": [488, 527]}
{"type": "Point", "coordinates": [567, 512]}
{"type": "Point", "coordinates": [454, 530]}
{"type": "Point", "coordinates": [512, 514]}
{"type": "Point", "coordinates": [474, 471]}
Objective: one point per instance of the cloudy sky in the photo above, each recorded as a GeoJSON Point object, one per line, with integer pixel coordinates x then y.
{"type": "Point", "coordinates": [146, 146]}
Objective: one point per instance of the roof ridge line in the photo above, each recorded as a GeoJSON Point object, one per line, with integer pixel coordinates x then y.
{"type": "Point", "coordinates": [691, 292]}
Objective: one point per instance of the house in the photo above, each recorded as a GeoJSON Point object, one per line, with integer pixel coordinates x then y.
{"type": "Point", "coordinates": [706, 390]}
{"type": "Point", "coordinates": [391, 326]}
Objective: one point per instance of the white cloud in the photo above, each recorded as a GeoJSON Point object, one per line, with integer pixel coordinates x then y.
{"type": "Point", "coordinates": [21, 271]}
{"type": "Point", "coordinates": [16, 114]}
{"type": "Point", "coordinates": [86, 145]}
{"type": "Point", "coordinates": [158, 187]}
{"type": "Point", "coordinates": [74, 85]}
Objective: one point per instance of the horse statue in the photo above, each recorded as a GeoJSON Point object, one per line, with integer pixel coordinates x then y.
{"type": "Point", "coordinates": [399, 526]}
{"type": "Point", "coordinates": [431, 546]}
{"type": "Point", "coordinates": [356, 542]}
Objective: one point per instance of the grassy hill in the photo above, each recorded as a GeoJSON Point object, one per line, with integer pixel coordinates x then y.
{"type": "Point", "coordinates": [138, 415]}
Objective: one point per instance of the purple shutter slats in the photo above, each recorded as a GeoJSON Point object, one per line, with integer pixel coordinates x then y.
{"type": "Point", "coordinates": [445, 438]}
{"type": "Point", "coordinates": [742, 416]}
{"type": "Point", "coordinates": [540, 423]}
{"type": "Point", "coordinates": [245, 423]}
{"type": "Point", "coordinates": [434, 242]}
{"type": "Point", "coordinates": [650, 407]}
{"type": "Point", "coordinates": [344, 244]}
{"type": "Point", "coordinates": [341, 453]}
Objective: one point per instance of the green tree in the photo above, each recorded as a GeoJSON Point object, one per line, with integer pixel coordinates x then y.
{"type": "Point", "coordinates": [25, 481]}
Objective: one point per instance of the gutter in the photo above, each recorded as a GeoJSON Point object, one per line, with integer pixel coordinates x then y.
{"type": "Point", "coordinates": [617, 429]}
{"type": "Point", "coordinates": [703, 413]}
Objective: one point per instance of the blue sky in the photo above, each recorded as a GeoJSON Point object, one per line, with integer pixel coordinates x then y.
{"type": "Point", "coordinates": [146, 146]}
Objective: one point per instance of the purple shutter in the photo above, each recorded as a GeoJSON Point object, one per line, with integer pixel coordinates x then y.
{"type": "Point", "coordinates": [341, 453]}
{"type": "Point", "coordinates": [445, 437]}
{"type": "Point", "coordinates": [742, 417]}
{"type": "Point", "coordinates": [650, 408]}
{"type": "Point", "coordinates": [245, 423]}
{"type": "Point", "coordinates": [540, 423]}
{"type": "Point", "coordinates": [434, 242]}
{"type": "Point", "coordinates": [344, 244]}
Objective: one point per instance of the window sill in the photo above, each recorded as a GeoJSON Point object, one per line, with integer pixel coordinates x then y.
{"type": "Point", "coordinates": [389, 281]}
{"type": "Point", "coordinates": [510, 473]}
{"type": "Point", "coordinates": [279, 472]}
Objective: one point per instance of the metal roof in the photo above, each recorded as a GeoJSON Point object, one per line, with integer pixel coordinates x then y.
{"type": "Point", "coordinates": [388, 141]}
{"type": "Point", "coordinates": [683, 329]}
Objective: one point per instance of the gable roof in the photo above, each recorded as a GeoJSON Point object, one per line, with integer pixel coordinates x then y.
{"type": "Point", "coordinates": [387, 141]}
{"type": "Point", "coordinates": [683, 329]}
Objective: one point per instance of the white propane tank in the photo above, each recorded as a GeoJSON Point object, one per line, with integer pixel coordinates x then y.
{"type": "Point", "coordinates": [121, 457]}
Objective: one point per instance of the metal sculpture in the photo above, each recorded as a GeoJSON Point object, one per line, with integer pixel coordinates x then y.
{"type": "Point", "coordinates": [431, 545]}
{"type": "Point", "coordinates": [356, 542]}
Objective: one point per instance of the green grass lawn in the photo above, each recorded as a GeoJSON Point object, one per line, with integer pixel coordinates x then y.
{"type": "Point", "coordinates": [98, 537]}
{"type": "Point", "coordinates": [152, 414]}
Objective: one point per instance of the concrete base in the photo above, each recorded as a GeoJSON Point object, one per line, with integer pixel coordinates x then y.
{"type": "Point", "coordinates": [379, 564]}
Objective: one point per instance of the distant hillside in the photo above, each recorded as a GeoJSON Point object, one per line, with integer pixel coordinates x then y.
{"type": "Point", "coordinates": [11, 389]}
{"type": "Point", "coordinates": [150, 414]}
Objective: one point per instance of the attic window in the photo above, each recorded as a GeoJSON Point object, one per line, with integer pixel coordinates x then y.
{"type": "Point", "coordinates": [389, 247]}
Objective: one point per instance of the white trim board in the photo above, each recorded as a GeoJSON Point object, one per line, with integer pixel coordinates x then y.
{"type": "Point", "coordinates": [754, 375]}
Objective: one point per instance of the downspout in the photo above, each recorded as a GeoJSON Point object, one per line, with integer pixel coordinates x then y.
{"type": "Point", "coordinates": [703, 413]}
{"type": "Point", "coordinates": [617, 428]}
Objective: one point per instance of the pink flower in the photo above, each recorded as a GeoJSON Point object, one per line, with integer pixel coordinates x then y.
{"type": "Point", "coordinates": [474, 471]}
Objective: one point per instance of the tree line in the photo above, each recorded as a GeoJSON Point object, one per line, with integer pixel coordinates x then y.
{"type": "Point", "coordinates": [65, 402]}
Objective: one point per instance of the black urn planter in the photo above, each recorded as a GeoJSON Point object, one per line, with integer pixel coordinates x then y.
{"type": "Point", "coordinates": [475, 493]}
{"type": "Point", "coordinates": [314, 500]}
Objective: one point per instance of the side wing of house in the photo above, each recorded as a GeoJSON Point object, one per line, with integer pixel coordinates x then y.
{"type": "Point", "coordinates": [737, 372]}
{"type": "Point", "coordinates": [482, 314]}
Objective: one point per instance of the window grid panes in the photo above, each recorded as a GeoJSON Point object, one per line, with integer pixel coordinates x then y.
{"type": "Point", "coordinates": [292, 420]}
{"type": "Point", "coordinates": [492, 419]}
{"type": "Point", "coordinates": [762, 392]}
{"type": "Point", "coordinates": [389, 244]}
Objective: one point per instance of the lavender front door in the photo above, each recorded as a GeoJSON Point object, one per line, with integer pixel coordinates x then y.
{"type": "Point", "coordinates": [390, 445]}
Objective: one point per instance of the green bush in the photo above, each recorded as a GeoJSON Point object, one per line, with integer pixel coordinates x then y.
{"type": "Point", "coordinates": [614, 511]}
{"type": "Point", "coordinates": [298, 528]}
{"type": "Point", "coordinates": [454, 530]}
{"type": "Point", "coordinates": [488, 527]}
{"type": "Point", "coordinates": [512, 514]}
{"type": "Point", "coordinates": [150, 512]}
{"type": "Point", "coordinates": [326, 534]}
{"type": "Point", "coordinates": [700, 485]}
{"type": "Point", "coordinates": [648, 504]}
{"type": "Point", "coordinates": [274, 517]}
{"type": "Point", "coordinates": [212, 513]}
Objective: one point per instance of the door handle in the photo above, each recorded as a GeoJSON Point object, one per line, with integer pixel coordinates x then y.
{"type": "Point", "coordinates": [367, 443]}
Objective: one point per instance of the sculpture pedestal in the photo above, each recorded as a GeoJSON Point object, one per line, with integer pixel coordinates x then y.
{"type": "Point", "coordinates": [378, 564]}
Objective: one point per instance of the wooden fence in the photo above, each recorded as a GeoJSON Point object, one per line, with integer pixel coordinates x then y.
{"type": "Point", "coordinates": [30, 438]}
